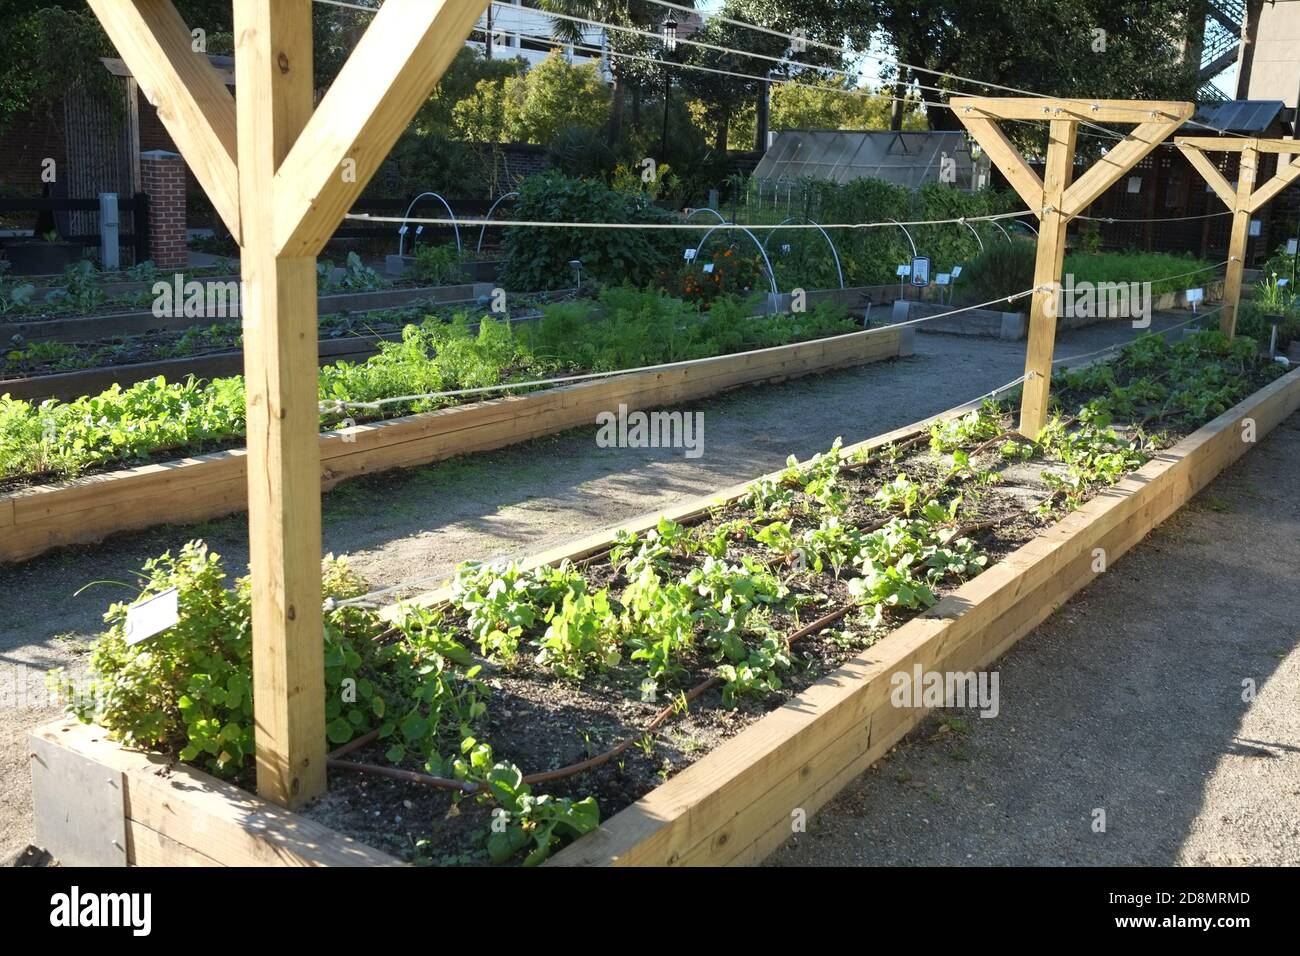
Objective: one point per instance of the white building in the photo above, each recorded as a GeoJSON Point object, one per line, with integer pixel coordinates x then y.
{"type": "Point", "coordinates": [524, 32]}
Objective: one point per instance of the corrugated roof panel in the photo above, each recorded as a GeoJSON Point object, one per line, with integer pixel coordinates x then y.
{"type": "Point", "coordinates": [1240, 116]}
{"type": "Point", "coordinates": [905, 158]}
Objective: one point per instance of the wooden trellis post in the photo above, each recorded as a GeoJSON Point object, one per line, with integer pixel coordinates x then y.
{"type": "Point", "coordinates": [281, 176]}
{"type": "Point", "coordinates": [1056, 200]}
{"type": "Point", "coordinates": [1244, 200]}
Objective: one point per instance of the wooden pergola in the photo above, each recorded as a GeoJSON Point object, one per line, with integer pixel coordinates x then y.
{"type": "Point", "coordinates": [281, 173]}
{"type": "Point", "coordinates": [1244, 199]}
{"type": "Point", "coordinates": [1056, 197]}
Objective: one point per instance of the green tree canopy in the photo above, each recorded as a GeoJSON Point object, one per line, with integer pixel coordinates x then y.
{"type": "Point", "coordinates": [533, 105]}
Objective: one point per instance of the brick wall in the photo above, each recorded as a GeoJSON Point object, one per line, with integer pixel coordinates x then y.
{"type": "Point", "coordinates": [515, 162]}
{"type": "Point", "coordinates": [163, 176]}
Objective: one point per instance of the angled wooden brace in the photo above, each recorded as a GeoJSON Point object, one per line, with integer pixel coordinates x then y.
{"type": "Point", "coordinates": [193, 102]}
{"type": "Point", "coordinates": [1283, 178]}
{"type": "Point", "coordinates": [399, 59]}
{"type": "Point", "coordinates": [1119, 160]}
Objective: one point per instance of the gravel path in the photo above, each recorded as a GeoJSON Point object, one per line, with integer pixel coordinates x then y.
{"type": "Point", "coordinates": [421, 522]}
{"type": "Point", "coordinates": [1128, 699]}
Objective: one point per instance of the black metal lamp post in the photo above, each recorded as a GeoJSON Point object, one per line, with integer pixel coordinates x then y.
{"type": "Point", "coordinates": [670, 46]}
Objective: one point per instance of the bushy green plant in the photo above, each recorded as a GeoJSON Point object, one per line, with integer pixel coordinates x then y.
{"type": "Point", "coordinates": [542, 821]}
{"type": "Point", "coordinates": [356, 276]}
{"type": "Point", "coordinates": [539, 258]}
{"type": "Point", "coordinates": [505, 604]}
{"type": "Point", "coordinates": [438, 265]}
{"type": "Point", "coordinates": [188, 690]}
{"type": "Point", "coordinates": [582, 152]}
{"type": "Point", "coordinates": [1002, 269]}
{"type": "Point", "coordinates": [119, 425]}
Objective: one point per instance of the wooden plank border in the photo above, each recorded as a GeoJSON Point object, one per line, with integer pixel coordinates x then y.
{"type": "Point", "coordinates": [178, 816]}
{"type": "Point", "coordinates": [734, 806]}
{"type": "Point", "coordinates": [84, 510]}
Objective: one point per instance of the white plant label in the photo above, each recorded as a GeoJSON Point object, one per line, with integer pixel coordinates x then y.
{"type": "Point", "coordinates": [956, 272]}
{"type": "Point", "coordinates": [152, 616]}
{"type": "Point", "coordinates": [708, 267]}
{"type": "Point", "coordinates": [690, 255]}
{"type": "Point", "coordinates": [904, 271]}
{"type": "Point", "coordinates": [943, 278]}
{"type": "Point", "coordinates": [1290, 247]}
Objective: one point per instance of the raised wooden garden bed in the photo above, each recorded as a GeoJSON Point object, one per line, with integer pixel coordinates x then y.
{"type": "Point", "coordinates": [734, 805]}
{"type": "Point", "coordinates": [90, 327]}
{"type": "Point", "coordinates": [67, 386]}
{"type": "Point", "coordinates": [98, 804]}
{"type": "Point", "coordinates": [33, 520]}
{"type": "Point", "coordinates": [995, 323]}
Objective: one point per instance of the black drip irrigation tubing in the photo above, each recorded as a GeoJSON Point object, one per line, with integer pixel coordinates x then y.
{"type": "Point", "coordinates": [335, 759]}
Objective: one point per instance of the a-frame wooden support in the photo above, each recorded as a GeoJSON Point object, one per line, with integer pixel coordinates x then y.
{"type": "Point", "coordinates": [281, 176]}
{"type": "Point", "coordinates": [1055, 199]}
{"type": "Point", "coordinates": [1244, 200]}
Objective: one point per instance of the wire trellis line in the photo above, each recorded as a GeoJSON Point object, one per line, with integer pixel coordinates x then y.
{"type": "Point", "coordinates": [378, 404]}
{"type": "Point", "coordinates": [687, 226]}
{"type": "Point", "coordinates": [369, 599]}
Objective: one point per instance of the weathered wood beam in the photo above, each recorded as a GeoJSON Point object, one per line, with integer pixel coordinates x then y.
{"type": "Point", "coordinates": [192, 100]}
{"type": "Point", "coordinates": [1283, 178]}
{"type": "Point", "coordinates": [1002, 152]}
{"type": "Point", "coordinates": [1210, 173]}
{"type": "Point", "coordinates": [1235, 144]}
{"type": "Point", "coordinates": [1079, 109]}
{"type": "Point", "coordinates": [399, 59]}
{"type": "Point", "coordinates": [273, 65]}
{"type": "Point", "coordinates": [1119, 160]}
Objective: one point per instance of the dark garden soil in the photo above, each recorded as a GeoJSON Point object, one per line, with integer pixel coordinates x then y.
{"type": "Point", "coordinates": [541, 723]}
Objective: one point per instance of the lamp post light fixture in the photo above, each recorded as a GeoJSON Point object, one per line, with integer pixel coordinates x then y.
{"type": "Point", "coordinates": [670, 46]}
{"type": "Point", "coordinates": [670, 35]}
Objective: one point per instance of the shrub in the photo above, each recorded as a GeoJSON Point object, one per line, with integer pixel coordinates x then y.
{"type": "Point", "coordinates": [188, 690]}
{"type": "Point", "coordinates": [581, 152]}
{"type": "Point", "coordinates": [1136, 266]}
{"type": "Point", "coordinates": [438, 265]}
{"type": "Point", "coordinates": [1002, 269]}
{"type": "Point", "coordinates": [538, 257]}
